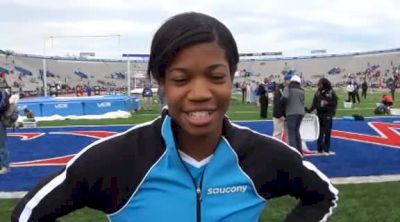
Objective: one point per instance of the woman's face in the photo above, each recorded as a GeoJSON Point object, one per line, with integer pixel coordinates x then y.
{"type": "Point", "coordinates": [198, 88]}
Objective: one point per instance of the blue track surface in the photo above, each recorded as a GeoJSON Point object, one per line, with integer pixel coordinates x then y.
{"type": "Point", "coordinates": [353, 158]}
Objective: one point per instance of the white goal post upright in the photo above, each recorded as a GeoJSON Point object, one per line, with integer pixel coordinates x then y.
{"type": "Point", "coordinates": [128, 93]}
{"type": "Point", "coordinates": [44, 76]}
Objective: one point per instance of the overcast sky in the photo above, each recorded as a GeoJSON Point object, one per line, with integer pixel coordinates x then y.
{"type": "Point", "coordinates": [292, 26]}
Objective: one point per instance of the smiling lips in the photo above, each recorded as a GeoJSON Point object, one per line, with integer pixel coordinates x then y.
{"type": "Point", "coordinates": [199, 118]}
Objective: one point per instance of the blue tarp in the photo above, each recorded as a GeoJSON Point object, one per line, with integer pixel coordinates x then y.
{"type": "Point", "coordinates": [119, 75]}
{"type": "Point", "coordinates": [90, 105]}
{"type": "Point", "coordinates": [48, 73]}
{"type": "Point", "coordinates": [334, 70]}
{"type": "Point", "coordinates": [23, 71]}
{"type": "Point", "coordinates": [81, 74]}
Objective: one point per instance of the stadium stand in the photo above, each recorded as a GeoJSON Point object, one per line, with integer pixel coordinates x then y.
{"type": "Point", "coordinates": [24, 72]}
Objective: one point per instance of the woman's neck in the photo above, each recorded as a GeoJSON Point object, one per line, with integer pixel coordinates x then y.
{"type": "Point", "coordinates": [198, 147]}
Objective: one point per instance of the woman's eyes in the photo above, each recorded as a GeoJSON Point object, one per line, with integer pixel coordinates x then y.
{"type": "Point", "coordinates": [216, 78]}
{"type": "Point", "coordinates": [179, 79]}
{"type": "Point", "coordinates": [219, 76]}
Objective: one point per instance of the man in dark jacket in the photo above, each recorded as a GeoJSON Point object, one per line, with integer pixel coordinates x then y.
{"type": "Point", "coordinates": [364, 88]}
{"type": "Point", "coordinates": [263, 100]}
{"type": "Point", "coordinates": [391, 84]}
{"type": "Point", "coordinates": [325, 102]}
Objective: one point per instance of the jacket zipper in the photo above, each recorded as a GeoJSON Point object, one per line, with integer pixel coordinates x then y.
{"type": "Point", "coordinates": [198, 189]}
{"type": "Point", "coordinates": [198, 192]}
{"type": "Point", "coordinates": [198, 204]}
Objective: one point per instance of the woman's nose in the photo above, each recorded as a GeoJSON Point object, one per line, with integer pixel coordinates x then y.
{"type": "Point", "coordinates": [200, 90]}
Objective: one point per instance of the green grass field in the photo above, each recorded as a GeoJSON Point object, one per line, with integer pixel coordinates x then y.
{"type": "Point", "coordinates": [357, 203]}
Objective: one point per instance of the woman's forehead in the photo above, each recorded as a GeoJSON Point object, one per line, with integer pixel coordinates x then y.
{"type": "Point", "coordinates": [203, 54]}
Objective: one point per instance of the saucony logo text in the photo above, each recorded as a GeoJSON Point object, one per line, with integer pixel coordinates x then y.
{"type": "Point", "coordinates": [226, 190]}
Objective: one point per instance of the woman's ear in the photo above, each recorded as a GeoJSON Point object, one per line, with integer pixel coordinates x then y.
{"type": "Point", "coordinates": [161, 85]}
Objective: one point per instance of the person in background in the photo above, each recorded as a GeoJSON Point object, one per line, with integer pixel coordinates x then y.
{"type": "Point", "coordinates": [391, 84]}
{"type": "Point", "coordinates": [278, 112]}
{"type": "Point", "coordinates": [350, 92]}
{"type": "Point", "coordinates": [364, 88]}
{"type": "Point", "coordinates": [253, 92]}
{"type": "Point", "coordinates": [248, 93]}
{"type": "Point", "coordinates": [293, 97]}
{"type": "Point", "coordinates": [79, 90]}
{"type": "Point", "coordinates": [4, 153]}
{"type": "Point", "coordinates": [30, 117]}
{"type": "Point", "coordinates": [387, 100]}
{"type": "Point", "coordinates": [356, 91]}
{"type": "Point", "coordinates": [325, 102]}
{"type": "Point", "coordinates": [147, 95]}
{"type": "Point", "coordinates": [88, 90]}
{"type": "Point", "coordinates": [384, 107]}
{"type": "Point", "coordinates": [263, 100]}
{"type": "Point", "coordinates": [191, 163]}
{"type": "Point", "coordinates": [52, 90]}
{"type": "Point", "coordinates": [243, 89]}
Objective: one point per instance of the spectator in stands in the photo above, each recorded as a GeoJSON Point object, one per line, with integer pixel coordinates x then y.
{"type": "Point", "coordinates": [325, 102]}
{"type": "Point", "coordinates": [79, 90]}
{"type": "Point", "coordinates": [293, 97]}
{"type": "Point", "coordinates": [53, 90]}
{"type": "Point", "coordinates": [88, 90]}
{"type": "Point", "coordinates": [364, 88]}
{"type": "Point", "coordinates": [278, 112]}
{"type": "Point", "coordinates": [147, 95]}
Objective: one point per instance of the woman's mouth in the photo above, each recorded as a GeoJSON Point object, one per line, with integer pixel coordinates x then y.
{"type": "Point", "coordinates": [199, 118]}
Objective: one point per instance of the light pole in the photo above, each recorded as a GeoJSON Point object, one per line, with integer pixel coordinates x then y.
{"type": "Point", "coordinates": [66, 37]}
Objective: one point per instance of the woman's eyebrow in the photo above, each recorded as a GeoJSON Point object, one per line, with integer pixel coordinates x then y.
{"type": "Point", "coordinates": [215, 66]}
{"type": "Point", "coordinates": [186, 70]}
{"type": "Point", "coordinates": [179, 69]}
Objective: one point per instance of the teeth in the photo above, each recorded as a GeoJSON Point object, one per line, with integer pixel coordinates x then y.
{"type": "Point", "coordinates": [199, 114]}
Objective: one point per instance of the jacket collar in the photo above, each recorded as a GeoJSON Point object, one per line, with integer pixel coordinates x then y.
{"type": "Point", "coordinates": [167, 131]}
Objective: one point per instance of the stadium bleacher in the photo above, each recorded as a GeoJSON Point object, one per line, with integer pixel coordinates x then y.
{"type": "Point", "coordinates": [25, 71]}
